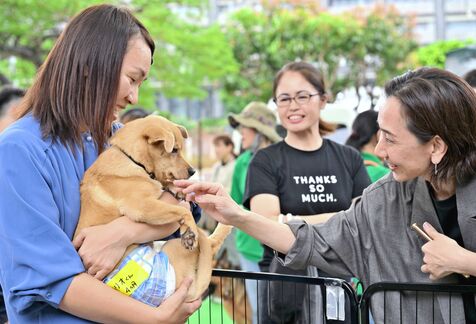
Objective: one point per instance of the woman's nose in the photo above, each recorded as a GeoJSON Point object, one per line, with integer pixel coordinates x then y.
{"type": "Point", "coordinates": [379, 150]}
{"type": "Point", "coordinates": [133, 97]}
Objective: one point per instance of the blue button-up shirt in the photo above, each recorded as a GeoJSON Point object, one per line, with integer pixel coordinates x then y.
{"type": "Point", "coordinates": [39, 211]}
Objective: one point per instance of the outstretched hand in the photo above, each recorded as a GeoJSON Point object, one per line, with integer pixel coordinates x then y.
{"type": "Point", "coordinates": [213, 199]}
{"type": "Point", "coordinates": [442, 255]}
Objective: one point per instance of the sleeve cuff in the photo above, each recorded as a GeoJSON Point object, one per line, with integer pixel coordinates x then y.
{"type": "Point", "coordinates": [33, 300]}
{"type": "Point", "coordinates": [299, 255]}
{"type": "Point", "coordinates": [55, 292]}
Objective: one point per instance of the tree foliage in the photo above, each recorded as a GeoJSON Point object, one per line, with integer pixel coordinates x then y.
{"type": "Point", "coordinates": [264, 41]}
{"type": "Point", "coordinates": [28, 29]}
{"type": "Point", "coordinates": [434, 54]}
{"type": "Point", "coordinates": [191, 54]}
{"type": "Point", "coordinates": [243, 55]}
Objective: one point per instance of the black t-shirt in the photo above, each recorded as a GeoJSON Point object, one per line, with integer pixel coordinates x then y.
{"type": "Point", "coordinates": [306, 182]}
{"type": "Point", "coordinates": [447, 212]}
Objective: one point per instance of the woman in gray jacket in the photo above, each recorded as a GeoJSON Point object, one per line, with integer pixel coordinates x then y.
{"type": "Point", "coordinates": [428, 140]}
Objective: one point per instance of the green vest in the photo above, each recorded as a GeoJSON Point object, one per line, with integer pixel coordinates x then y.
{"type": "Point", "coordinates": [374, 166]}
{"type": "Point", "coordinates": [248, 246]}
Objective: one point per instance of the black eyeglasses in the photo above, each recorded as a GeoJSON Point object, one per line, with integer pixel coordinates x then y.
{"type": "Point", "coordinates": [301, 98]}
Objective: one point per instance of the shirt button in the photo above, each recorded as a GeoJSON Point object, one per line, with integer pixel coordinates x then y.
{"type": "Point", "coordinates": [48, 295]}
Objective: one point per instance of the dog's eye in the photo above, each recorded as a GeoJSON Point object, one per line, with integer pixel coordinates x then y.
{"type": "Point", "coordinates": [174, 150]}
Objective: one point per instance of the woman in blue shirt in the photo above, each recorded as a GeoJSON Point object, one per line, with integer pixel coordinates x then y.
{"type": "Point", "coordinates": [94, 70]}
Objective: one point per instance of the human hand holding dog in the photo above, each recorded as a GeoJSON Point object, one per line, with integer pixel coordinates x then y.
{"type": "Point", "coordinates": [101, 247]}
{"type": "Point", "coordinates": [213, 199]}
{"type": "Point", "coordinates": [443, 256]}
{"type": "Point", "coordinates": [175, 309]}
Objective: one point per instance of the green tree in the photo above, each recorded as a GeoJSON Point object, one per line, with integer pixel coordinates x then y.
{"type": "Point", "coordinates": [191, 55]}
{"type": "Point", "coordinates": [382, 48]}
{"type": "Point", "coordinates": [434, 54]}
{"type": "Point", "coordinates": [28, 29]}
{"type": "Point", "coordinates": [264, 41]}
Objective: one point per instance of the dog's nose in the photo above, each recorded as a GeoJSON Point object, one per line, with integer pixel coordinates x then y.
{"type": "Point", "coordinates": [191, 172]}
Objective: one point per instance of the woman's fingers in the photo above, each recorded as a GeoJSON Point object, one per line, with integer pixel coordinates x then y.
{"type": "Point", "coordinates": [175, 309]}
{"type": "Point", "coordinates": [430, 230]}
{"type": "Point", "coordinates": [78, 240]}
{"type": "Point", "coordinates": [189, 186]}
{"type": "Point", "coordinates": [101, 274]}
{"type": "Point", "coordinates": [207, 199]}
{"type": "Point", "coordinates": [424, 268]}
{"type": "Point", "coordinates": [91, 272]}
{"type": "Point", "coordinates": [181, 293]}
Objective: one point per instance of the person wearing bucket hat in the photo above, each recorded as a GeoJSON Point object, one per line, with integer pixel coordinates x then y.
{"type": "Point", "coordinates": [305, 174]}
{"type": "Point", "coordinates": [258, 116]}
{"type": "Point", "coordinates": [256, 124]}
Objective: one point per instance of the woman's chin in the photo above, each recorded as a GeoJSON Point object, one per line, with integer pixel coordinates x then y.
{"type": "Point", "coordinates": [401, 177]}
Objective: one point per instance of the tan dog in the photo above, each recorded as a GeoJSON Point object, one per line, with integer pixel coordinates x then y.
{"type": "Point", "coordinates": [127, 180]}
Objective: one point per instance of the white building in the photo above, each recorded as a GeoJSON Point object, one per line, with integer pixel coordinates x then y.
{"type": "Point", "coordinates": [435, 19]}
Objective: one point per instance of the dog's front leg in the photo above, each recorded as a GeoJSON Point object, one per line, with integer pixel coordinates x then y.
{"type": "Point", "coordinates": [156, 212]}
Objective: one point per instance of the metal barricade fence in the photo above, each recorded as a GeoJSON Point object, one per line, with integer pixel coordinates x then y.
{"type": "Point", "coordinates": [415, 303]}
{"type": "Point", "coordinates": [227, 303]}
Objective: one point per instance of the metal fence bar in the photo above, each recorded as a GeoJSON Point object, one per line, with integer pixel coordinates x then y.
{"type": "Point", "coordinates": [429, 293]}
{"type": "Point", "coordinates": [434, 289]}
{"type": "Point", "coordinates": [316, 281]}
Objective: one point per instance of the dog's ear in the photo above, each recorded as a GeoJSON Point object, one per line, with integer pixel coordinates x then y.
{"type": "Point", "coordinates": [168, 139]}
{"type": "Point", "coordinates": [183, 131]}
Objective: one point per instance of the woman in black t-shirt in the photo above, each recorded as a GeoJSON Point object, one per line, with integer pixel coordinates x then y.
{"type": "Point", "coordinates": [305, 175]}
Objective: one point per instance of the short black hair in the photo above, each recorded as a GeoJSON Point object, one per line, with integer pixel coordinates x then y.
{"type": "Point", "coordinates": [470, 77]}
{"type": "Point", "coordinates": [7, 94]}
{"type": "Point", "coordinates": [438, 102]}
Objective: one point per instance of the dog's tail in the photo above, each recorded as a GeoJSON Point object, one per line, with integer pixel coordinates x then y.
{"type": "Point", "coordinates": [218, 236]}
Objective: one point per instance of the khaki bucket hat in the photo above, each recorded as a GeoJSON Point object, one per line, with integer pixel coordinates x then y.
{"type": "Point", "coordinates": [258, 116]}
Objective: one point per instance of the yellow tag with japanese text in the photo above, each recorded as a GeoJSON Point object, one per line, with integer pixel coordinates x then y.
{"type": "Point", "coordinates": [129, 278]}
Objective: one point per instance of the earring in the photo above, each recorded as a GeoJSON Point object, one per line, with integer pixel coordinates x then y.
{"type": "Point", "coordinates": [436, 168]}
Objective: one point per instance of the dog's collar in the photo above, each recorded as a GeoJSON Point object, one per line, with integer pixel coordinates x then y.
{"type": "Point", "coordinates": [151, 174]}
{"type": "Point", "coordinates": [174, 194]}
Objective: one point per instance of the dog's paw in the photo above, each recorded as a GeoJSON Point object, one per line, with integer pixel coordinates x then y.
{"type": "Point", "coordinates": [189, 239]}
{"type": "Point", "coordinates": [180, 196]}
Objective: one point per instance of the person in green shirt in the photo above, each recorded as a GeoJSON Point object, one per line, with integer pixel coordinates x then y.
{"type": "Point", "coordinates": [364, 138]}
{"type": "Point", "coordinates": [256, 124]}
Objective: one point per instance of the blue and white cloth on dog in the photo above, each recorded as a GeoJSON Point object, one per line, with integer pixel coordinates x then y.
{"type": "Point", "coordinates": [145, 275]}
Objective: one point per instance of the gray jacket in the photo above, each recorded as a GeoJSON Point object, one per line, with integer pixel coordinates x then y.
{"type": "Point", "coordinates": [373, 241]}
